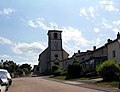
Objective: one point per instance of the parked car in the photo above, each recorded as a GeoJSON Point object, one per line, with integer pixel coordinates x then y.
{"type": "Point", "coordinates": [3, 85]}
{"type": "Point", "coordinates": [5, 74]}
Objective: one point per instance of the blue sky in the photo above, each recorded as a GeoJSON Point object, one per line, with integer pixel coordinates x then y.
{"type": "Point", "coordinates": [85, 23]}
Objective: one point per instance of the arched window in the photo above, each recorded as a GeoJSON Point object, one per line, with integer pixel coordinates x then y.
{"type": "Point", "coordinates": [55, 35]}
{"type": "Point", "coordinates": [56, 55]}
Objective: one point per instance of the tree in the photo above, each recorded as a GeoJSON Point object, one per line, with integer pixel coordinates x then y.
{"type": "Point", "coordinates": [108, 70]}
{"type": "Point", "coordinates": [74, 69]}
{"type": "Point", "coordinates": [26, 68]}
{"type": "Point", "coordinates": [1, 64]}
{"type": "Point", "coordinates": [10, 66]}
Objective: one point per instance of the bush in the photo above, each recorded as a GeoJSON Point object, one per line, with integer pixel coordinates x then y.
{"type": "Point", "coordinates": [58, 71]}
{"type": "Point", "coordinates": [73, 70]}
{"type": "Point", "coordinates": [108, 70]}
{"type": "Point", "coordinates": [55, 67]}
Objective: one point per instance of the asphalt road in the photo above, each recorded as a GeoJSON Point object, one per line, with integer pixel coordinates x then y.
{"type": "Point", "coordinates": [39, 84]}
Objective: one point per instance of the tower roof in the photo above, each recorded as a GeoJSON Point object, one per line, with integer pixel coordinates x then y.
{"type": "Point", "coordinates": [53, 31]}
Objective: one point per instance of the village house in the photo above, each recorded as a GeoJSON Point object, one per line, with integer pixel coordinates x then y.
{"type": "Point", "coordinates": [90, 59]}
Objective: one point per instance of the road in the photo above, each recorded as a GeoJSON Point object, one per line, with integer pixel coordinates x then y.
{"type": "Point", "coordinates": [39, 84]}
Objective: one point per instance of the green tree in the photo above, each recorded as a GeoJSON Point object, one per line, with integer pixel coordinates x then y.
{"type": "Point", "coordinates": [57, 70]}
{"type": "Point", "coordinates": [26, 68]}
{"type": "Point", "coordinates": [10, 66]}
{"type": "Point", "coordinates": [108, 70]}
{"type": "Point", "coordinates": [1, 64]}
{"type": "Point", "coordinates": [74, 69]}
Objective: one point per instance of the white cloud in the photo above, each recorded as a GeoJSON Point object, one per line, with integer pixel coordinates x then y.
{"type": "Point", "coordinates": [108, 5]}
{"type": "Point", "coordinates": [96, 30]}
{"type": "Point", "coordinates": [117, 23]}
{"type": "Point", "coordinates": [87, 12]}
{"type": "Point", "coordinates": [116, 30]}
{"type": "Point", "coordinates": [98, 9]}
{"type": "Point", "coordinates": [5, 57]}
{"type": "Point", "coordinates": [97, 42]}
{"type": "Point", "coordinates": [83, 12]}
{"type": "Point", "coordinates": [27, 58]}
{"type": "Point", "coordinates": [7, 11]}
{"type": "Point", "coordinates": [42, 25]}
{"type": "Point", "coordinates": [106, 24]}
{"type": "Point", "coordinates": [23, 52]}
{"type": "Point", "coordinates": [25, 48]}
{"type": "Point", "coordinates": [30, 59]}
{"type": "Point", "coordinates": [32, 24]}
{"type": "Point", "coordinates": [53, 25]}
{"type": "Point", "coordinates": [106, 2]}
{"type": "Point", "coordinates": [70, 33]}
{"type": "Point", "coordinates": [5, 41]}
{"type": "Point", "coordinates": [92, 11]}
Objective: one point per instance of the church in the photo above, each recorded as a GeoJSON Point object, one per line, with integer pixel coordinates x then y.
{"type": "Point", "coordinates": [53, 54]}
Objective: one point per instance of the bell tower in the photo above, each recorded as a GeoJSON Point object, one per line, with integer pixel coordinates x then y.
{"type": "Point", "coordinates": [55, 46]}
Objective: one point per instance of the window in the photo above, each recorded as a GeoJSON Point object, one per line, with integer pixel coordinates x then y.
{"type": "Point", "coordinates": [56, 55]}
{"type": "Point", "coordinates": [55, 35]}
{"type": "Point", "coordinates": [83, 59]}
{"type": "Point", "coordinates": [37, 69]}
{"type": "Point", "coordinates": [113, 53]}
{"type": "Point", "coordinates": [102, 51]}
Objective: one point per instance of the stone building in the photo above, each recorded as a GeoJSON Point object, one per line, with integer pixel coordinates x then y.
{"type": "Point", "coordinates": [53, 54]}
{"type": "Point", "coordinates": [113, 48]}
{"type": "Point", "coordinates": [90, 59]}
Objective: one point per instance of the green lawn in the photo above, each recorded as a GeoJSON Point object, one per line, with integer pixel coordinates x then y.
{"type": "Point", "coordinates": [99, 83]}
{"type": "Point", "coordinates": [111, 83]}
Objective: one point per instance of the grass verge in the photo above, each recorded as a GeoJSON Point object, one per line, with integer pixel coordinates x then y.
{"type": "Point", "coordinates": [109, 84]}
{"type": "Point", "coordinates": [99, 83]}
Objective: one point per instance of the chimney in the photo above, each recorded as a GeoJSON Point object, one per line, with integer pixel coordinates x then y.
{"type": "Point", "coordinates": [109, 41]}
{"type": "Point", "coordinates": [78, 51]}
{"type": "Point", "coordinates": [94, 48]}
{"type": "Point", "coordinates": [118, 35]}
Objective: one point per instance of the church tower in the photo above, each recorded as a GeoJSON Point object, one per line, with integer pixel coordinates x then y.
{"type": "Point", "coordinates": [53, 54]}
{"type": "Point", "coordinates": [55, 46]}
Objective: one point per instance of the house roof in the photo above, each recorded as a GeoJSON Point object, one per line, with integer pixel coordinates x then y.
{"type": "Point", "coordinates": [65, 51]}
{"type": "Point", "coordinates": [42, 53]}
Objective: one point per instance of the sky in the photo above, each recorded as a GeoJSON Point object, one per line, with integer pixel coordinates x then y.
{"type": "Point", "coordinates": [84, 23]}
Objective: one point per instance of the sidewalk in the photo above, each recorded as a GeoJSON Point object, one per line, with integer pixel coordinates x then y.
{"type": "Point", "coordinates": [87, 84]}
{"type": "Point", "coordinates": [91, 85]}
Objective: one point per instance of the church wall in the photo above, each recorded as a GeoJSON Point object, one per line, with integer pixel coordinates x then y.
{"type": "Point", "coordinates": [65, 55]}
{"type": "Point", "coordinates": [56, 45]}
{"type": "Point", "coordinates": [43, 63]}
{"type": "Point", "coordinates": [59, 53]}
